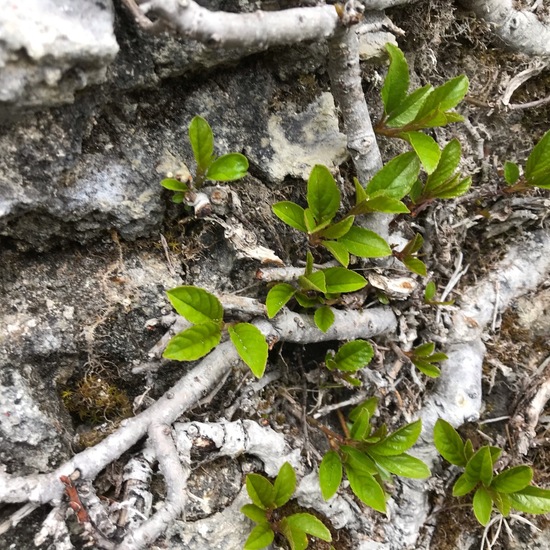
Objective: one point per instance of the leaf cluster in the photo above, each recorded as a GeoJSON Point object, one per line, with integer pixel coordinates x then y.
{"type": "Point", "coordinates": [266, 498]}
{"type": "Point", "coordinates": [369, 456]}
{"type": "Point", "coordinates": [351, 357]}
{"type": "Point", "coordinates": [229, 167]}
{"type": "Point", "coordinates": [205, 311]}
{"type": "Point", "coordinates": [511, 488]}
{"type": "Point", "coordinates": [424, 357]}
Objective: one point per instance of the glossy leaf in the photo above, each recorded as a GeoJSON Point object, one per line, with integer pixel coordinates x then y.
{"type": "Point", "coordinates": [383, 204]}
{"type": "Point", "coordinates": [537, 169]}
{"type": "Point", "coordinates": [354, 355]}
{"type": "Point", "coordinates": [403, 465]}
{"type": "Point", "coordinates": [202, 142]}
{"type": "Point", "coordinates": [502, 502]}
{"type": "Point", "coordinates": [480, 467]}
{"type": "Point", "coordinates": [396, 82]}
{"type": "Point", "coordinates": [513, 479]}
{"type": "Point", "coordinates": [357, 460]}
{"type": "Point", "coordinates": [296, 537]}
{"type": "Point", "coordinates": [399, 441]}
{"type": "Point", "coordinates": [409, 108]}
{"type": "Point", "coordinates": [531, 500]}
{"type": "Point", "coordinates": [174, 185]}
{"type": "Point", "coordinates": [305, 301]}
{"type": "Point", "coordinates": [309, 264]}
{"type": "Point", "coordinates": [338, 250]}
{"type": "Point", "coordinates": [365, 243]}
{"type": "Point", "coordinates": [361, 427]}
{"type": "Point", "coordinates": [426, 148]}
{"type": "Point", "coordinates": [255, 513]}
{"type": "Point", "coordinates": [323, 196]}
{"type": "Point", "coordinates": [277, 297]}
{"type": "Point", "coordinates": [511, 172]}
{"type": "Point", "coordinates": [340, 279]}
{"type": "Point", "coordinates": [483, 505]}
{"type": "Point", "coordinates": [424, 350]}
{"type": "Point", "coordinates": [338, 229]}
{"type": "Point", "coordinates": [330, 474]}
{"type": "Point", "coordinates": [230, 167]}
{"type": "Point", "coordinates": [290, 213]}
{"type": "Point", "coordinates": [251, 346]}
{"type": "Point", "coordinates": [448, 163]}
{"type": "Point", "coordinates": [463, 486]}
{"type": "Point", "coordinates": [260, 490]}
{"type": "Point", "coordinates": [397, 177]}
{"type": "Point", "coordinates": [314, 281]}
{"type": "Point", "coordinates": [260, 537]}
{"type": "Point", "coordinates": [427, 368]}
{"type": "Point", "coordinates": [193, 343]}
{"type": "Point", "coordinates": [366, 488]}
{"type": "Point", "coordinates": [284, 485]}
{"type": "Point", "coordinates": [415, 265]}
{"type": "Point", "coordinates": [360, 193]}
{"type": "Point", "coordinates": [448, 443]}
{"type": "Point", "coordinates": [196, 304]}
{"type": "Point", "coordinates": [310, 525]}
{"type": "Point", "coordinates": [446, 96]}
{"type": "Point", "coordinates": [324, 318]}
{"type": "Point", "coordinates": [369, 404]}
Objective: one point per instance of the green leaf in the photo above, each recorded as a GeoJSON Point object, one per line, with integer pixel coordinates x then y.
{"type": "Point", "coordinates": [309, 264]}
{"type": "Point", "coordinates": [415, 265]}
{"type": "Point", "coordinates": [369, 404]}
{"type": "Point", "coordinates": [448, 443]}
{"type": "Point", "coordinates": [483, 505]}
{"type": "Point", "coordinates": [290, 213]}
{"type": "Point", "coordinates": [427, 368]}
{"type": "Point", "coordinates": [230, 167]}
{"type": "Point", "coordinates": [531, 500]}
{"type": "Point", "coordinates": [360, 193]}
{"type": "Point", "coordinates": [340, 279]}
{"type": "Point", "coordinates": [397, 177]}
{"type": "Point", "coordinates": [495, 453]}
{"type": "Point", "coordinates": [193, 343]}
{"type": "Point", "coordinates": [513, 479]}
{"type": "Point", "coordinates": [330, 474]}
{"type": "Point", "coordinates": [323, 196]}
{"type": "Point", "coordinates": [310, 525]}
{"type": "Point", "coordinates": [277, 297]}
{"type": "Point", "coordinates": [403, 465]}
{"type": "Point", "coordinates": [260, 537]}
{"type": "Point", "coordinates": [480, 467]}
{"type": "Point", "coordinates": [357, 460]}
{"type": "Point", "coordinates": [537, 169]}
{"type": "Point", "coordinates": [338, 250]}
{"type": "Point", "coordinates": [366, 488]}
{"type": "Point", "coordinates": [511, 172]}
{"type": "Point", "coordinates": [338, 229]}
{"type": "Point", "coordinates": [296, 537]}
{"type": "Point", "coordinates": [409, 108]}
{"type": "Point", "coordinates": [456, 187]}
{"type": "Point", "coordinates": [361, 427]}
{"type": "Point", "coordinates": [305, 301]}
{"type": "Point", "coordinates": [502, 502]}
{"type": "Point", "coordinates": [255, 513]}
{"type": "Point", "coordinates": [324, 318]}
{"type": "Point", "coordinates": [445, 97]}
{"type": "Point", "coordinates": [251, 346]}
{"type": "Point", "coordinates": [315, 281]}
{"type": "Point", "coordinates": [448, 163]}
{"type": "Point", "coordinates": [178, 197]}
{"type": "Point", "coordinates": [381, 204]}
{"type": "Point", "coordinates": [413, 246]}
{"type": "Point", "coordinates": [202, 142]}
{"type": "Point", "coordinates": [354, 355]}
{"type": "Point", "coordinates": [424, 350]}
{"type": "Point", "coordinates": [429, 292]}
{"type": "Point", "coordinates": [463, 486]}
{"type": "Point", "coordinates": [174, 185]}
{"type": "Point", "coordinates": [261, 491]}
{"type": "Point", "coordinates": [396, 82]}
{"type": "Point", "coordinates": [285, 484]}
{"type": "Point", "coordinates": [365, 243]}
{"type": "Point", "coordinates": [468, 449]}
{"type": "Point", "coordinates": [399, 441]}
{"type": "Point", "coordinates": [426, 148]}
{"type": "Point", "coordinates": [196, 305]}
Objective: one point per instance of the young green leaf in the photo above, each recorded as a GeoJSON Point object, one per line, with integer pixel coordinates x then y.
{"type": "Point", "coordinates": [290, 213]}
{"type": "Point", "coordinates": [415, 265]}
{"type": "Point", "coordinates": [340, 279]}
{"type": "Point", "coordinates": [427, 368]}
{"type": "Point", "coordinates": [483, 505]}
{"type": "Point", "coordinates": [284, 485]}
{"type": "Point", "coordinates": [366, 488]}
{"type": "Point", "coordinates": [480, 467]}
{"type": "Point", "coordinates": [177, 198]}
{"type": "Point", "coordinates": [381, 203]}
{"type": "Point", "coordinates": [193, 343]}
{"type": "Point", "coordinates": [202, 142]}
{"type": "Point", "coordinates": [323, 196]}
{"type": "Point", "coordinates": [537, 169]}
{"type": "Point", "coordinates": [353, 356]}
{"type": "Point", "coordinates": [429, 292]}
{"type": "Point", "coordinates": [360, 193]}
{"type": "Point", "coordinates": [399, 441]}
{"type": "Point", "coordinates": [531, 500]}
{"type": "Point", "coordinates": [251, 346]}
{"type": "Point", "coordinates": [511, 172]}
{"type": "Point", "coordinates": [397, 177]}
{"type": "Point", "coordinates": [277, 298]}
{"type": "Point", "coordinates": [403, 465]}
{"type": "Point", "coordinates": [338, 250]}
{"type": "Point", "coordinates": [369, 404]}
{"type": "Point", "coordinates": [338, 229]}
{"type": "Point", "coordinates": [448, 163]}
{"type": "Point", "coordinates": [513, 479]}
{"type": "Point", "coordinates": [324, 318]}
{"type": "Point", "coordinates": [446, 96]}
{"type": "Point", "coordinates": [309, 524]}
{"type": "Point", "coordinates": [365, 243]}
{"type": "Point", "coordinates": [408, 109]}
{"type": "Point", "coordinates": [424, 350]}
{"type": "Point", "coordinates": [260, 537]}
{"type": "Point", "coordinates": [396, 82]}
{"type": "Point", "coordinates": [426, 148]}
{"type": "Point", "coordinates": [315, 281]}
{"type": "Point", "coordinates": [357, 460]}
{"type": "Point", "coordinates": [255, 513]}
{"type": "Point", "coordinates": [468, 449]}
{"type": "Point", "coordinates": [306, 301]}
{"type": "Point", "coordinates": [361, 427]}
{"type": "Point", "coordinates": [296, 537]}
{"type": "Point", "coordinates": [261, 491]}
{"type": "Point", "coordinates": [502, 502]}
{"type": "Point", "coordinates": [330, 474]}
{"type": "Point", "coordinates": [174, 185]}
{"type": "Point", "coordinates": [196, 305]}
{"type": "Point", "coordinates": [230, 167]}
{"type": "Point", "coordinates": [463, 486]}
{"type": "Point", "coordinates": [448, 443]}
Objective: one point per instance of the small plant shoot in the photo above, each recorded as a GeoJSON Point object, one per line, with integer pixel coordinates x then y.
{"type": "Point", "coordinates": [509, 489]}
{"type": "Point", "coordinates": [424, 357]}
{"type": "Point", "coordinates": [267, 500]}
